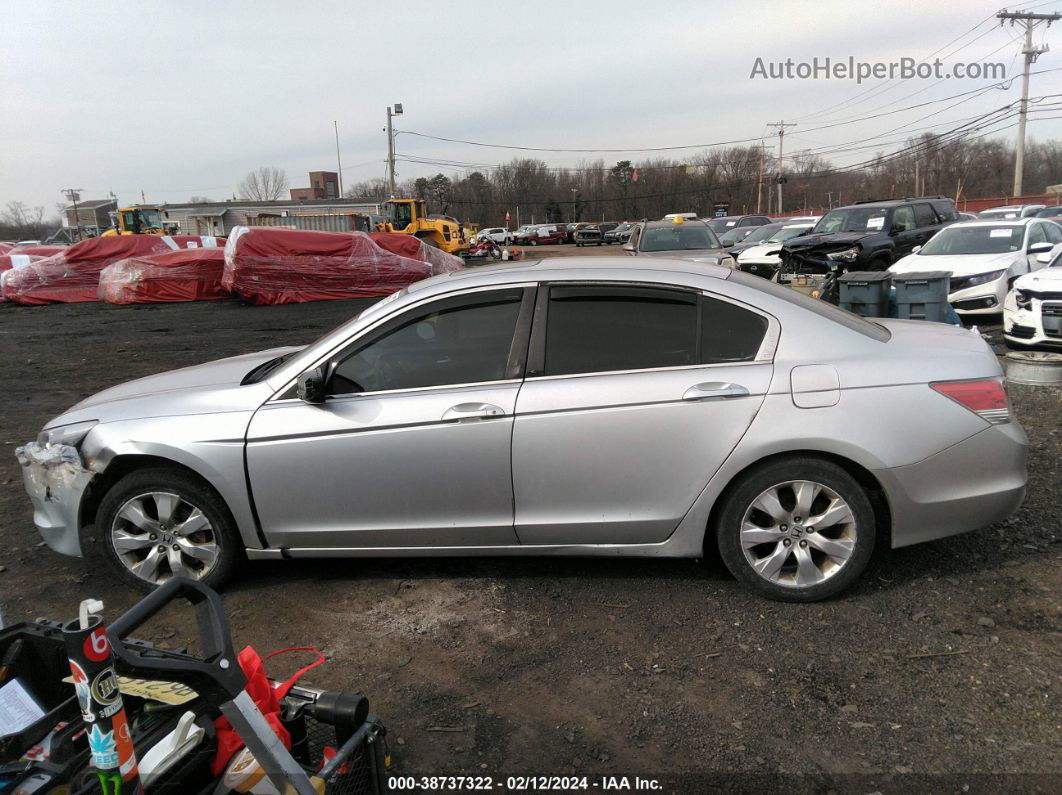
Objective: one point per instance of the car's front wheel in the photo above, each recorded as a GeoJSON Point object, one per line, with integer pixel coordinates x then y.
{"type": "Point", "coordinates": [796, 530]}
{"type": "Point", "coordinates": [158, 523]}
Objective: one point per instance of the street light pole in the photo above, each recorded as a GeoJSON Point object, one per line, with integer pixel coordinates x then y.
{"type": "Point", "coordinates": [391, 146]}
{"type": "Point", "coordinates": [574, 191]}
{"type": "Point", "coordinates": [339, 163]}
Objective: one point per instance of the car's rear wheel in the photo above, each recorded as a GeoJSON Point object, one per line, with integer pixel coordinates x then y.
{"type": "Point", "coordinates": [796, 530]}
{"type": "Point", "coordinates": [158, 523]}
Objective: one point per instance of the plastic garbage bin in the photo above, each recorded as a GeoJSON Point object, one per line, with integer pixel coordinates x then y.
{"type": "Point", "coordinates": [866, 292]}
{"type": "Point", "coordinates": [922, 295]}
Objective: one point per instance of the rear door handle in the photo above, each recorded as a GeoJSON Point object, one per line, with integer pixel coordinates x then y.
{"type": "Point", "coordinates": [472, 411]}
{"type": "Point", "coordinates": [715, 389]}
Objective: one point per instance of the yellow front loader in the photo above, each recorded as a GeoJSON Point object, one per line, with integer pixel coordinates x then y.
{"type": "Point", "coordinates": [410, 217]}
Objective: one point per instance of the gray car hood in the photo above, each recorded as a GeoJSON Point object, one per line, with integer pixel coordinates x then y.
{"type": "Point", "coordinates": [210, 387]}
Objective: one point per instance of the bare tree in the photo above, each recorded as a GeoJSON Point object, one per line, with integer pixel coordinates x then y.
{"type": "Point", "coordinates": [266, 183]}
{"type": "Point", "coordinates": [22, 221]}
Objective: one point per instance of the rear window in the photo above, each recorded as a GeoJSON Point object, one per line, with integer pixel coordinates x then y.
{"type": "Point", "coordinates": [849, 320]}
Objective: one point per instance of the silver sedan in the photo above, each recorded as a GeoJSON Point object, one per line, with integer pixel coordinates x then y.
{"type": "Point", "coordinates": [585, 406]}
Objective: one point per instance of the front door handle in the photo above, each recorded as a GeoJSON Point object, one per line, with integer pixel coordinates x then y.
{"type": "Point", "coordinates": [715, 389]}
{"type": "Point", "coordinates": [472, 411]}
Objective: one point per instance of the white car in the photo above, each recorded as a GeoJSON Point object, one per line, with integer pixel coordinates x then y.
{"type": "Point", "coordinates": [502, 237]}
{"type": "Point", "coordinates": [763, 259]}
{"type": "Point", "coordinates": [1032, 312]}
{"type": "Point", "coordinates": [1010, 212]}
{"type": "Point", "coordinates": [984, 258]}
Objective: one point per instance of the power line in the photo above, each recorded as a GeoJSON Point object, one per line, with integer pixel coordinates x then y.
{"type": "Point", "coordinates": [971, 92]}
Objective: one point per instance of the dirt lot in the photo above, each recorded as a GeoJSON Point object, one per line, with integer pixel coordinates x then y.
{"type": "Point", "coordinates": [939, 670]}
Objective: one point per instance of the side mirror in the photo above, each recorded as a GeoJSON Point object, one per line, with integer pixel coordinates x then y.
{"type": "Point", "coordinates": [1044, 258]}
{"type": "Point", "coordinates": [310, 386]}
{"type": "Point", "coordinates": [916, 249]}
{"type": "Point", "coordinates": [628, 246]}
{"type": "Point", "coordinates": [1040, 248]}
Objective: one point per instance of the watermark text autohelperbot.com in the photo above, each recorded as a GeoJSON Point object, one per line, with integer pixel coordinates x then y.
{"type": "Point", "coordinates": [851, 69]}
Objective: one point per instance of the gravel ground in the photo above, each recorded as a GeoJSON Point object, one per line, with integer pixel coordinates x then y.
{"type": "Point", "coordinates": [938, 671]}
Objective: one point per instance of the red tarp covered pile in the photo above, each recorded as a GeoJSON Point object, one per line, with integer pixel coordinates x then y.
{"type": "Point", "coordinates": [270, 265]}
{"type": "Point", "coordinates": [73, 274]}
{"type": "Point", "coordinates": [188, 274]}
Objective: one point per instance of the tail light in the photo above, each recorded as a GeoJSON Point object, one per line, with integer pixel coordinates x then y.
{"type": "Point", "coordinates": [985, 397]}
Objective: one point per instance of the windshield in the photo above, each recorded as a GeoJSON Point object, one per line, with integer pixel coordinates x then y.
{"type": "Point", "coordinates": [853, 219]}
{"type": "Point", "coordinates": [736, 235]}
{"type": "Point", "coordinates": [787, 233]}
{"type": "Point", "coordinates": [719, 225]}
{"type": "Point", "coordinates": [762, 233]}
{"type": "Point", "coordinates": [679, 237]}
{"type": "Point", "coordinates": [401, 215]}
{"type": "Point", "coordinates": [1004, 213]}
{"type": "Point", "coordinates": [821, 308]}
{"type": "Point", "coordinates": [981, 239]}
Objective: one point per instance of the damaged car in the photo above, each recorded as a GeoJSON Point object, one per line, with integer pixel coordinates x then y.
{"type": "Point", "coordinates": [1032, 310]}
{"type": "Point", "coordinates": [600, 406]}
{"type": "Point", "coordinates": [866, 236]}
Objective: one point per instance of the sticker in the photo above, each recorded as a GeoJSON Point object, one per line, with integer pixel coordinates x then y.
{"type": "Point", "coordinates": [96, 647]}
{"type": "Point", "coordinates": [83, 691]}
{"type": "Point", "coordinates": [876, 223]}
{"type": "Point", "coordinates": [103, 748]}
{"type": "Point", "coordinates": [126, 756]}
{"type": "Point", "coordinates": [174, 693]}
{"type": "Point", "coordinates": [1008, 232]}
{"type": "Point", "coordinates": [105, 687]}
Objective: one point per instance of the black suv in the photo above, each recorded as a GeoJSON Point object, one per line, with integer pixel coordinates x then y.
{"type": "Point", "coordinates": [866, 236]}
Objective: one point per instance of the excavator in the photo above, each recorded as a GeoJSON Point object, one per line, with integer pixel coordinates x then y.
{"type": "Point", "coordinates": [410, 217]}
{"type": "Point", "coordinates": [143, 220]}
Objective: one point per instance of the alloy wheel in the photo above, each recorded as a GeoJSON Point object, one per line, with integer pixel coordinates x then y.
{"type": "Point", "coordinates": [159, 534]}
{"type": "Point", "coordinates": [798, 534]}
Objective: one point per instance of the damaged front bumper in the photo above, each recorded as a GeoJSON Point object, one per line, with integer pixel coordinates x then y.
{"type": "Point", "coordinates": [55, 480]}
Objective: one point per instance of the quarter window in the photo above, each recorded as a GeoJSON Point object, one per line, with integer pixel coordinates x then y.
{"type": "Point", "coordinates": [1053, 232]}
{"type": "Point", "coordinates": [454, 341]}
{"type": "Point", "coordinates": [601, 329]}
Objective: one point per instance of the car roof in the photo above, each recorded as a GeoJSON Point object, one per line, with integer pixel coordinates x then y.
{"type": "Point", "coordinates": [669, 223]}
{"type": "Point", "coordinates": [535, 269]}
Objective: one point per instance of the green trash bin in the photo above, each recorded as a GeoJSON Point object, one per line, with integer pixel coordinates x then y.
{"type": "Point", "coordinates": [866, 292]}
{"type": "Point", "coordinates": [922, 295]}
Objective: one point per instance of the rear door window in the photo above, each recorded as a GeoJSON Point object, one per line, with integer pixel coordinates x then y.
{"type": "Point", "coordinates": [924, 215]}
{"type": "Point", "coordinates": [597, 329]}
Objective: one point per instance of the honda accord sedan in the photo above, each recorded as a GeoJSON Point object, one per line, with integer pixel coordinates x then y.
{"type": "Point", "coordinates": [586, 406]}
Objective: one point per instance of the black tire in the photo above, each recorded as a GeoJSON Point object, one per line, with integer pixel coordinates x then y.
{"type": "Point", "coordinates": [741, 495]}
{"type": "Point", "coordinates": [599, 242]}
{"type": "Point", "coordinates": [192, 491]}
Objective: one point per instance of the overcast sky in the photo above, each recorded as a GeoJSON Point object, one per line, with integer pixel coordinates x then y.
{"type": "Point", "coordinates": [183, 98]}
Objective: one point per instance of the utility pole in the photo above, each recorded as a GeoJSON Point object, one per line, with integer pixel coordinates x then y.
{"type": "Point", "coordinates": [1031, 53]}
{"type": "Point", "coordinates": [759, 184]}
{"type": "Point", "coordinates": [781, 125]}
{"type": "Point", "coordinates": [575, 192]}
{"type": "Point", "coordinates": [391, 146]}
{"type": "Point", "coordinates": [339, 163]}
{"type": "Point", "coordinates": [73, 194]}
